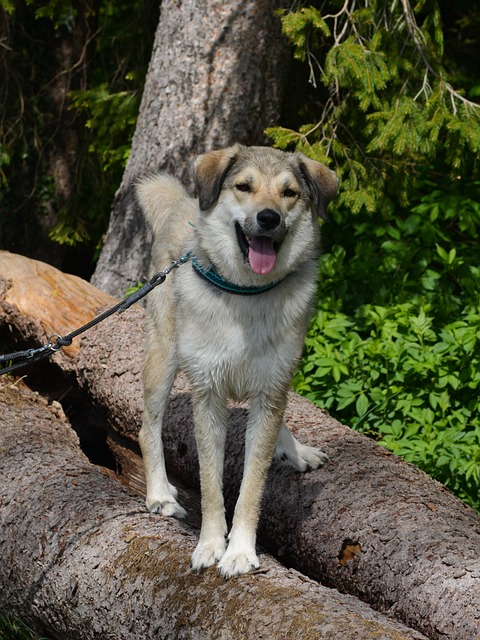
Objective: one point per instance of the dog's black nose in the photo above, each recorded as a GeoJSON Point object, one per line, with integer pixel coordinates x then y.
{"type": "Point", "coordinates": [268, 219]}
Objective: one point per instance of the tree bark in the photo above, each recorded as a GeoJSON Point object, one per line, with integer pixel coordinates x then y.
{"type": "Point", "coordinates": [366, 523]}
{"type": "Point", "coordinates": [82, 559]}
{"type": "Point", "coordinates": [216, 77]}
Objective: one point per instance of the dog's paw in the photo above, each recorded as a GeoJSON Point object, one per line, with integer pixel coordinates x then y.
{"type": "Point", "coordinates": [309, 458]}
{"type": "Point", "coordinates": [234, 563]}
{"type": "Point", "coordinates": [299, 456]}
{"type": "Point", "coordinates": [166, 506]}
{"type": "Point", "coordinates": [207, 553]}
{"type": "Point", "coordinates": [302, 458]}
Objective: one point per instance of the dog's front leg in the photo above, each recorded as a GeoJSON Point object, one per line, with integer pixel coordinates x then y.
{"type": "Point", "coordinates": [158, 376]}
{"type": "Point", "coordinates": [210, 417]}
{"type": "Point", "coordinates": [261, 437]}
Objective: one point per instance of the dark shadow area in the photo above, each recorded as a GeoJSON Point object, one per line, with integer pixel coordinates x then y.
{"type": "Point", "coordinates": [87, 420]}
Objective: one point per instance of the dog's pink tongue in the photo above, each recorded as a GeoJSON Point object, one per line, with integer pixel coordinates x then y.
{"type": "Point", "coordinates": [261, 255]}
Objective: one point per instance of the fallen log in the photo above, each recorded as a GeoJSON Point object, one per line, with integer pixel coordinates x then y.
{"type": "Point", "coordinates": [367, 523]}
{"type": "Point", "coordinates": [82, 559]}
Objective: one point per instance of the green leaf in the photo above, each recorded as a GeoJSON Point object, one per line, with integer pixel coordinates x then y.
{"type": "Point", "coordinates": [362, 405]}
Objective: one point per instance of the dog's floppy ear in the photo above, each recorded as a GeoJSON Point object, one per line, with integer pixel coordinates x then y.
{"type": "Point", "coordinates": [322, 182]}
{"type": "Point", "coordinates": [211, 169]}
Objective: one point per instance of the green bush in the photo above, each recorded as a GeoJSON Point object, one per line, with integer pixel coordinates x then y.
{"type": "Point", "coordinates": [387, 372]}
{"type": "Point", "coordinates": [394, 348]}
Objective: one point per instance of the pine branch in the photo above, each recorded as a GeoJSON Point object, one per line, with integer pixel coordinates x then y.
{"type": "Point", "coordinates": [419, 42]}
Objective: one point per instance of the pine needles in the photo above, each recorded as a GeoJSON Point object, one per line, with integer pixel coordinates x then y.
{"type": "Point", "coordinates": [389, 110]}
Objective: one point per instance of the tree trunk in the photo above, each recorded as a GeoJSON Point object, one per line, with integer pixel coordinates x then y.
{"type": "Point", "coordinates": [366, 523]}
{"type": "Point", "coordinates": [216, 77]}
{"type": "Point", "coordinates": [82, 559]}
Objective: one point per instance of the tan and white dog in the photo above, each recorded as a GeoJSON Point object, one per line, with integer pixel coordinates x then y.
{"type": "Point", "coordinates": [234, 321]}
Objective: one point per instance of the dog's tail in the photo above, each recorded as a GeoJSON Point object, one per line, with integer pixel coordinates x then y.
{"type": "Point", "coordinates": [160, 194]}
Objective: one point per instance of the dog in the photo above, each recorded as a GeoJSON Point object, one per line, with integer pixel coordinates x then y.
{"type": "Point", "coordinates": [234, 320]}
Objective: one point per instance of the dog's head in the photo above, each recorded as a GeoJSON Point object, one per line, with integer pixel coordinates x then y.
{"type": "Point", "coordinates": [262, 204]}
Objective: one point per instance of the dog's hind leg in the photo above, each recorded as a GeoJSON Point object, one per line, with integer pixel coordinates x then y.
{"type": "Point", "coordinates": [159, 374]}
{"type": "Point", "coordinates": [300, 456]}
{"type": "Point", "coordinates": [210, 417]}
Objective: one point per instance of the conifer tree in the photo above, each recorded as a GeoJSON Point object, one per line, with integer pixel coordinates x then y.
{"type": "Point", "coordinates": [390, 112]}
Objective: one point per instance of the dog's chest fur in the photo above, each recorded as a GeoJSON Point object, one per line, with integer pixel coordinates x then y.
{"type": "Point", "coordinates": [240, 345]}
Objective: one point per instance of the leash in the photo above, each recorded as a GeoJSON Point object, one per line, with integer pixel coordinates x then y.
{"type": "Point", "coordinates": [56, 342]}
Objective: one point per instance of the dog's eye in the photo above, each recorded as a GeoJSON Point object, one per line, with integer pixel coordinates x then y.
{"type": "Point", "coordinates": [289, 193]}
{"type": "Point", "coordinates": [244, 187]}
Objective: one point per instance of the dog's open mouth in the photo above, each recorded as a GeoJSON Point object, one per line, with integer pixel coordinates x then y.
{"type": "Point", "coordinates": [259, 251]}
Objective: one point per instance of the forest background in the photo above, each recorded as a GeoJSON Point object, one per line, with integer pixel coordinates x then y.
{"type": "Point", "coordinates": [384, 92]}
